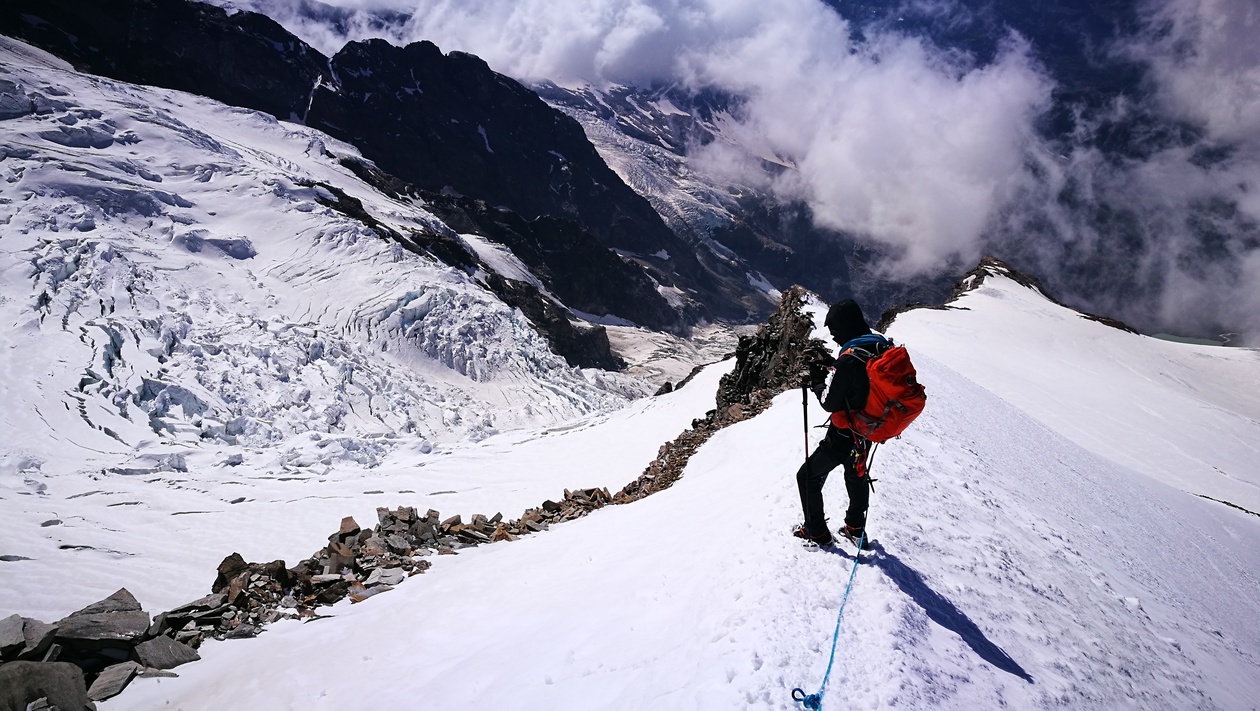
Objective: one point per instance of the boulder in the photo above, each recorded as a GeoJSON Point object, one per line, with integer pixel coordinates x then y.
{"type": "Point", "coordinates": [109, 626]}
{"type": "Point", "coordinates": [164, 653]}
{"type": "Point", "coordinates": [22, 684]}
{"type": "Point", "coordinates": [117, 618]}
{"type": "Point", "coordinates": [339, 557]}
{"type": "Point", "coordinates": [112, 681]}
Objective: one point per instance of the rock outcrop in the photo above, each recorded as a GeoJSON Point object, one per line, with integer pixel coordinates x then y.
{"type": "Point", "coordinates": [767, 363]}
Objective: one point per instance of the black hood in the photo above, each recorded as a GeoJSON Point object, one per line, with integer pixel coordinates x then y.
{"type": "Point", "coordinates": [846, 322]}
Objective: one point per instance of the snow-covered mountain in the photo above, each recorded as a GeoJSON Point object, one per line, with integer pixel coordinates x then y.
{"type": "Point", "coordinates": [181, 275]}
{"type": "Point", "coordinates": [732, 218]}
{"type": "Point", "coordinates": [225, 333]}
{"type": "Point", "coordinates": [1014, 566]}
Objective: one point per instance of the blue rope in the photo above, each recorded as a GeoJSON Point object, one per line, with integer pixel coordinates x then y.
{"type": "Point", "coordinates": [814, 701]}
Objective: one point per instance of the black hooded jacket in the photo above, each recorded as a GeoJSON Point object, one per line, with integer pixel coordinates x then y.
{"type": "Point", "coordinates": [849, 385]}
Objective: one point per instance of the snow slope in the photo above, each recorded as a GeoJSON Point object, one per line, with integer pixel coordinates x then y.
{"type": "Point", "coordinates": [1187, 415]}
{"type": "Point", "coordinates": [1013, 568]}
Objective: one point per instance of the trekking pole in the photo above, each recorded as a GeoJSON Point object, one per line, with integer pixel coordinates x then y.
{"type": "Point", "coordinates": [805, 412]}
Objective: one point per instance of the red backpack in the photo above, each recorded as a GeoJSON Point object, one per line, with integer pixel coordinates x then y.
{"type": "Point", "coordinates": [895, 398]}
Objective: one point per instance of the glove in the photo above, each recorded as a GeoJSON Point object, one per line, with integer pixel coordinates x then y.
{"type": "Point", "coordinates": [819, 356]}
{"type": "Point", "coordinates": [818, 378]}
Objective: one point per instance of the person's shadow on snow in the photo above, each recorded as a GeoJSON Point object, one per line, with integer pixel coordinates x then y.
{"type": "Point", "coordinates": [938, 609]}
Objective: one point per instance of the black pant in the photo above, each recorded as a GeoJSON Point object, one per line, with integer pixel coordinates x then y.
{"type": "Point", "coordinates": [836, 449]}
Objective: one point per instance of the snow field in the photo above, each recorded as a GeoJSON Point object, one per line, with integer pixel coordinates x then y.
{"type": "Point", "coordinates": [1012, 569]}
{"type": "Point", "coordinates": [1188, 415]}
{"type": "Point", "coordinates": [161, 534]}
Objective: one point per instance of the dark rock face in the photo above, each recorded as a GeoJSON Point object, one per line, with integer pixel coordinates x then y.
{"type": "Point", "coordinates": [566, 259]}
{"type": "Point", "coordinates": [773, 358]}
{"type": "Point", "coordinates": [243, 59]}
{"type": "Point", "coordinates": [24, 683]}
{"type": "Point", "coordinates": [448, 121]}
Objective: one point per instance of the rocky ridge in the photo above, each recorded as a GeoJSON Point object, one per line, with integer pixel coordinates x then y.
{"type": "Point", "coordinates": [992, 266]}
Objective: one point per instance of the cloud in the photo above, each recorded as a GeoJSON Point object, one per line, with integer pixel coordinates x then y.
{"type": "Point", "coordinates": [1205, 59]}
{"type": "Point", "coordinates": [892, 140]}
{"type": "Point", "coordinates": [923, 150]}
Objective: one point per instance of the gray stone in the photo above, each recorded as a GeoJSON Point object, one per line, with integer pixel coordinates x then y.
{"type": "Point", "coordinates": [53, 653]}
{"type": "Point", "coordinates": [423, 531]}
{"type": "Point", "coordinates": [11, 638]}
{"type": "Point", "coordinates": [164, 653]}
{"type": "Point", "coordinates": [339, 557]}
{"type": "Point", "coordinates": [157, 674]}
{"type": "Point", "coordinates": [121, 601]}
{"type": "Point", "coordinates": [112, 681]}
{"type": "Point", "coordinates": [385, 576]}
{"type": "Point", "coordinates": [39, 637]}
{"type": "Point", "coordinates": [22, 683]}
{"type": "Point", "coordinates": [208, 602]}
{"type": "Point", "coordinates": [102, 627]}
{"type": "Point", "coordinates": [242, 631]}
{"type": "Point", "coordinates": [397, 544]}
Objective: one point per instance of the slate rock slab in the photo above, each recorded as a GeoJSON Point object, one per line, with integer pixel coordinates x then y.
{"type": "Point", "coordinates": [23, 683]}
{"type": "Point", "coordinates": [112, 681]}
{"type": "Point", "coordinates": [385, 576]}
{"type": "Point", "coordinates": [12, 639]}
{"type": "Point", "coordinates": [121, 601]}
{"type": "Point", "coordinates": [39, 637]}
{"type": "Point", "coordinates": [165, 653]}
{"type": "Point", "coordinates": [104, 627]}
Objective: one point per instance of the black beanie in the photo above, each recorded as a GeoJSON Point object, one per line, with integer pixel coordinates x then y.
{"type": "Point", "coordinates": [846, 322]}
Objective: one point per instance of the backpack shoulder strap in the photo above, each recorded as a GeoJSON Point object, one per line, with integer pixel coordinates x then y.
{"type": "Point", "coordinates": [865, 347]}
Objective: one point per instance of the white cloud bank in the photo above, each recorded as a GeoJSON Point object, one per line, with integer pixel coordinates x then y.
{"type": "Point", "coordinates": [910, 146]}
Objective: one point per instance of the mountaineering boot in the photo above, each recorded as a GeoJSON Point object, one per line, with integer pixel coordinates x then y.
{"type": "Point", "coordinates": [855, 535]}
{"type": "Point", "coordinates": [822, 539]}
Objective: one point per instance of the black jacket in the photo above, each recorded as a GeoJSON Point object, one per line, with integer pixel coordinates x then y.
{"type": "Point", "coordinates": [849, 385]}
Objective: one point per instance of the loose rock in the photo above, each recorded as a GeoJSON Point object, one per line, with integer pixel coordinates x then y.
{"type": "Point", "coordinates": [112, 681]}
{"type": "Point", "coordinates": [165, 653]}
